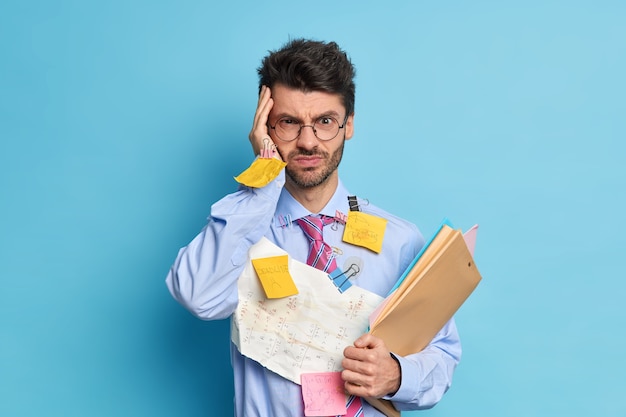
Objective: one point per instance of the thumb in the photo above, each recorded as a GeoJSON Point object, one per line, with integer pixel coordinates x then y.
{"type": "Point", "coordinates": [367, 341]}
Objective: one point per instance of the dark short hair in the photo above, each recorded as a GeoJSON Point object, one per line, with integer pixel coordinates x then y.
{"type": "Point", "coordinates": [309, 65]}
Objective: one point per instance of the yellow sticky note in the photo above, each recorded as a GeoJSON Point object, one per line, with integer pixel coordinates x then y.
{"type": "Point", "coordinates": [365, 230]}
{"type": "Point", "coordinates": [260, 172]}
{"type": "Point", "coordinates": [273, 272]}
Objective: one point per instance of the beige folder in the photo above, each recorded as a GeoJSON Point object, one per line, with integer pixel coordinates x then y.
{"type": "Point", "coordinates": [432, 291]}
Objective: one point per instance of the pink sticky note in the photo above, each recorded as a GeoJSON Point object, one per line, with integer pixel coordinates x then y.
{"type": "Point", "coordinates": [470, 238]}
{"type": "Point", "coordinates": [323, 394]}
{"type": "Point", "coordinates": [374, 314]}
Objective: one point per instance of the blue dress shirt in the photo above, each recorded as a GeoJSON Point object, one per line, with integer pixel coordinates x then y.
{"type": "Point", "coordinates": [204, 276]}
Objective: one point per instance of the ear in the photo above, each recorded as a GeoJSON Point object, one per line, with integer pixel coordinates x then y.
{"type": "Point", "coordinates": [349, 127]}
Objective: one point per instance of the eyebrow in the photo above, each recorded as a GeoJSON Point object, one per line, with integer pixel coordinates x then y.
{"type": "Point", "coordinates": [331, 113]}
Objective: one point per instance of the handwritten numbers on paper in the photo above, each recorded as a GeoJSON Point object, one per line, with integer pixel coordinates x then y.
{"type": "Point", "coordinates": [323, 394]}
{"type": "Point", "coordinates": [365, 230]}
{"type": "Point", "coordinates": [273, 272]}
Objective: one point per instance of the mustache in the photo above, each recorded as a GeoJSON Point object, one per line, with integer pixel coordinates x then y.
{"type": "Point", "coordinates": [308, 152]}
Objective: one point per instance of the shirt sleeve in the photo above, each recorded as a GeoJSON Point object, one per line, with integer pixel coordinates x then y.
{"type": "Point", "coordinates": [427, 375]}
{"type": "Point", "coordinates": [203, 278]}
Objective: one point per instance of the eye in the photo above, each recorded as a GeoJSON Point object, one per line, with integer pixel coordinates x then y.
{"type": "Point", "coordinates": [286, 121]}
{"type": "Point", "coordinates": [325, 121]}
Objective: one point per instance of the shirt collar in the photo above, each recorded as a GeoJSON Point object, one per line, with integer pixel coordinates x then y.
{"type": "Point", "coordinates": [288, 207]}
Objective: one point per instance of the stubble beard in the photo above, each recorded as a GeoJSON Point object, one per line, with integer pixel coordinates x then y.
{"type": "Point", "coordinates": [309, 178]}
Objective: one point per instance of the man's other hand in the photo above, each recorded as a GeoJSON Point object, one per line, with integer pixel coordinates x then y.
{"type": "Point", "coordinates": [369, 368]}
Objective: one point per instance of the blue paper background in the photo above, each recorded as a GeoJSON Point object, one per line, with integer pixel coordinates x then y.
{"type": "Point", "coordinates": [122, 121]}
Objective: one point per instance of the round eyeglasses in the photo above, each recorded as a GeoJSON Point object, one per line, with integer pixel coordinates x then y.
{"type": "Point", "coordinates": [325, 128]}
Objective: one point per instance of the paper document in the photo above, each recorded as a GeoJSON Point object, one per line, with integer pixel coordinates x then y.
{"type": "Point", "coordinates": [303, 333]}
{"type": "Point", "coordinates": [435, 287]}
{"type": "Point", "coordinates": [427, 296]}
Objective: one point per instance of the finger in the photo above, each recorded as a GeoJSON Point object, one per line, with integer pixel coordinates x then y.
{"type": "Point", "coordinates": [361, 387]}
{"type": "Point", "coordinates": [263, 88]}
{"type": "Point", "coordinates": [257, 111]}
{"type": "Point", "coordinates": [259, 132]}
{"type": "Point", "coordinates": [367, 385]}
{"type": "Point", "coordinates": [360, 390]}
{"type": "Point", "coordinates": [352, 352]}
{"type": "Point", "coordinates": [265, 113]}
{"type": "Point", "coordinates": [358, 367]}
{"type": "Point", "coordinates": [261, 109]}
{"type": "Point", "coordinates": [262, 113]}
{"type": "Point", "coordinates": [360, 354]}
{"type": "Point", "coordinates": [352, 378]}
{"type": "Point", "coordinates": [367, 340]}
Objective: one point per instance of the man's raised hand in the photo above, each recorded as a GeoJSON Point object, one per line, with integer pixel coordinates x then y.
{"type": "Point", "coordinates": [259, 135]}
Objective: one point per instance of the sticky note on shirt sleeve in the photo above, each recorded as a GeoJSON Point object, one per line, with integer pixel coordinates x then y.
{"type": "Point", "coordinates": [273, 272]}
{"type": "Point", "coordinates": [260, 172]}
{"type": "Point", "coordinates": [365, 230]}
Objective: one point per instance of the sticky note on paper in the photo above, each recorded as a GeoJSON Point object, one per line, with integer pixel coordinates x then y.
{"type": "Point", "coordinates": [260, 172]}
{"type": "Point", "coordinates": [365, 230]}
{"type": "Point", "coordinates": [323, 394]}
{"type": "Point", "coordinates": [273, 272]}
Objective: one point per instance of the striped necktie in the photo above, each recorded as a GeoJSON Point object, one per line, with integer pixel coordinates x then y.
{"type": "Point", "coordinates": [320, 257]}
{"type": "Point", "coordinates": [320, 252]}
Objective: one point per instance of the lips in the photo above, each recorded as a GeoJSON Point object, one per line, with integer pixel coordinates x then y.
{"type": "Point", "coordinates": [307, 161]}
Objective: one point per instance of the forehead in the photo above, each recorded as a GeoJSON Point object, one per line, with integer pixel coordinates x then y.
{"type": "Point", "coordinates": [304, 104]}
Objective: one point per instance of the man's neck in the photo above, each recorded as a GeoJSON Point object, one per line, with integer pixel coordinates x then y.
{"type": "Point", "coordinates": [313, 199]}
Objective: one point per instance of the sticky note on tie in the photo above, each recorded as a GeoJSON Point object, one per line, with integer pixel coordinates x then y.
{"type": "Point", "coordinates": [323, 394]}
{"type": "Point", "coordinates": [260, 172]}
{"type": "Point", "coordinates": [365, 230]}
{"type": "Point", "coordinates": [273, 272]}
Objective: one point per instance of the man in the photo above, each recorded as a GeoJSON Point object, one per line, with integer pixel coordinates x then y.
{"type": "Point", "coordinates": [306, 113]}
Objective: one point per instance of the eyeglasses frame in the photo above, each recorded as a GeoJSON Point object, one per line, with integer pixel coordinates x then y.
{"type": "Point", "coordinates": [311, 126]}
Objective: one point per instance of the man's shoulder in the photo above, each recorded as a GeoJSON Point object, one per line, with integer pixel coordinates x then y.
{"type": "Point", "coordinates": [380, 212]}
{"type": "Point", "coordinates": [401, 229]}
{"type": "Point", "coordinates": [395, 224]}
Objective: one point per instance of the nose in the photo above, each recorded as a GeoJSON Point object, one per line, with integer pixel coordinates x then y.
{"type": "Point", "coordinates": [307, 138]}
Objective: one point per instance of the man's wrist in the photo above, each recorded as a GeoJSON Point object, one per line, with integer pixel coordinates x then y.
{"type": "Point", "coordinates": [391, 394]}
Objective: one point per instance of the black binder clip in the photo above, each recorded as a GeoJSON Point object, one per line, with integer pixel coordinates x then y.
{"type": "Point", "coordinates": [353, 203]}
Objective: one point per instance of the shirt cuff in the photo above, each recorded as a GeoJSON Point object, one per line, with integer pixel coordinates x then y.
{"type": "Point", "coordinates": [410, 373]}
{"type": "Point", "coordinates": [273, 188]}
